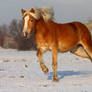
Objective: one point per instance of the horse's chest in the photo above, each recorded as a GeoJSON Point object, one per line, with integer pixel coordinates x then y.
{"type": "Point", "coordinates": [43, 46]}
{"type": "Point", "coordinates": [43, 42]}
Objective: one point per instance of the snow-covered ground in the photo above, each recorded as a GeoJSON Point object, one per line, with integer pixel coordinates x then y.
{"type": "Point", "coordinates": [20, 72]}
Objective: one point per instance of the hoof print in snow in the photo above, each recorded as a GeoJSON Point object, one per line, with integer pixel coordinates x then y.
{"type": "Point", "coordinates": [12, 77]}
{"type": "Point", "coordinates": [45, 85]}
{"type": "Point", "coordinates": [6, 60]}
{"type": "Point", "coordinates": [2, 70]}
{"type": "Point", "coordinates": [21, 76]}
{"type": "Point", "coordinates": [23, 60]}
{"type": "Point", "coordinates": [26, 66]}
{"type": "Point", "coordinates": [77, 59]}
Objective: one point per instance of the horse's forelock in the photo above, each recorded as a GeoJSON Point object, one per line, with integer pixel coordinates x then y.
{"type": "Point", "coordinates": [35, 14]}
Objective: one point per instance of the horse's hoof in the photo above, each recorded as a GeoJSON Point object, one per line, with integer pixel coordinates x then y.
{"type": "Point", "coordinates": [55, 80]}
{"type": "Point", "coordinates": [46, 70]}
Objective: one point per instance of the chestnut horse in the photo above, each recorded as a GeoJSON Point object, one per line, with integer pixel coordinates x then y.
{"type": "Point", "coordinates": [53, 36]}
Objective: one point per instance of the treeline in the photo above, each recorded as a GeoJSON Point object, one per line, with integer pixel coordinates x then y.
{"type": "Point", "coordinates": [11, 37]}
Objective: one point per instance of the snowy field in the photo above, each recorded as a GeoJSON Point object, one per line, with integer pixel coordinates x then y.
{"type": "Point", "coordinates": [20, 72]}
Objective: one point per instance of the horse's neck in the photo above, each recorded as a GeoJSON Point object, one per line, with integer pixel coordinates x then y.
{"type": "Point", "coordinates": [40, 21]}
{"type": "Point", "coordinates": [40, 24]}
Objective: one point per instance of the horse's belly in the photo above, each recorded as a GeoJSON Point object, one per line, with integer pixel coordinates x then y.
{"type": "Point", "coordinates": [63, 47]}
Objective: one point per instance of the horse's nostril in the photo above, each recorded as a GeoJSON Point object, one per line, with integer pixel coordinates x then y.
{"type": "Point", "coordinates": [26, 34]}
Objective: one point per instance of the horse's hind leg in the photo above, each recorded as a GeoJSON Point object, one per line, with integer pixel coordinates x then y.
{"type": "Point", "coordinates": [87, 45]}
{"type": "Point", "coordinates": [87, 54]}
{"type": "Point", "coordinates": [80, 51]}
{"type": "Point", "coordinates": [39, 54]}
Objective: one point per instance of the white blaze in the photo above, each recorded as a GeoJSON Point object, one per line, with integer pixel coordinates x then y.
{"type": "Point", "coordinates": [26, 23]}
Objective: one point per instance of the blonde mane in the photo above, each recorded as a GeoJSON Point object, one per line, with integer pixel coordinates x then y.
{"type": "Point", "coordinates": [46, 12]}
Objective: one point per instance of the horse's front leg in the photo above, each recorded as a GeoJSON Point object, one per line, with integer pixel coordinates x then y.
{"type": "Point", "coordinates": [39, 54]}
{"type": "Point", "coordinates": [54, 64]}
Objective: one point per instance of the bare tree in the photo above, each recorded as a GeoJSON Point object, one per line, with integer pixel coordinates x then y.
{"type": "Point", "coordinates": [11, 37]}
{"type": "Point", "coordinates": [13, 28]}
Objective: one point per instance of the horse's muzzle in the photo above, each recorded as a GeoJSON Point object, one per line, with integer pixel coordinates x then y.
{"type": "Point", "coordinates": [26, 35]}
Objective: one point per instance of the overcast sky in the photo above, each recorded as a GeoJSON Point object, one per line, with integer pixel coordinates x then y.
{"type": "Point", "coordinates": [65, 10]}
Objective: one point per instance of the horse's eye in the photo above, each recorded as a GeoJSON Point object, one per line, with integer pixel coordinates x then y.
{"type": "Point", "coordinates": [31, 20]}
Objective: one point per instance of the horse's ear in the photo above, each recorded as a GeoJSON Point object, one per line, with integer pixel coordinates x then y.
{"type": "Point", "coordinates": [32, 10]}
{"type": "Point", "coordinates": [23, 11]}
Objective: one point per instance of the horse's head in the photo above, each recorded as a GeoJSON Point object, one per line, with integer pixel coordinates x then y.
{"type": "Point", "coordinates": [29, 20]}
{"type": "Point", "coordinates": [32, 15]}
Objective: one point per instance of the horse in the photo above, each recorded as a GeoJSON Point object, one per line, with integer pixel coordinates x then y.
{"type": "Point", "coordinates": [56, 37]}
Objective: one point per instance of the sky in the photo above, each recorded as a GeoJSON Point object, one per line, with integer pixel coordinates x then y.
{"type": "Point", "coordinates": [65, 10]}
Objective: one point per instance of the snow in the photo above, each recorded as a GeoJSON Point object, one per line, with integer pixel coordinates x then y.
{"type": "Point", "coordinates": [20, 72]}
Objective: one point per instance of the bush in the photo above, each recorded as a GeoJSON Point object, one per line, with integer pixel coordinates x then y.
{"type": "Point", "coordinates": [11, 37]}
